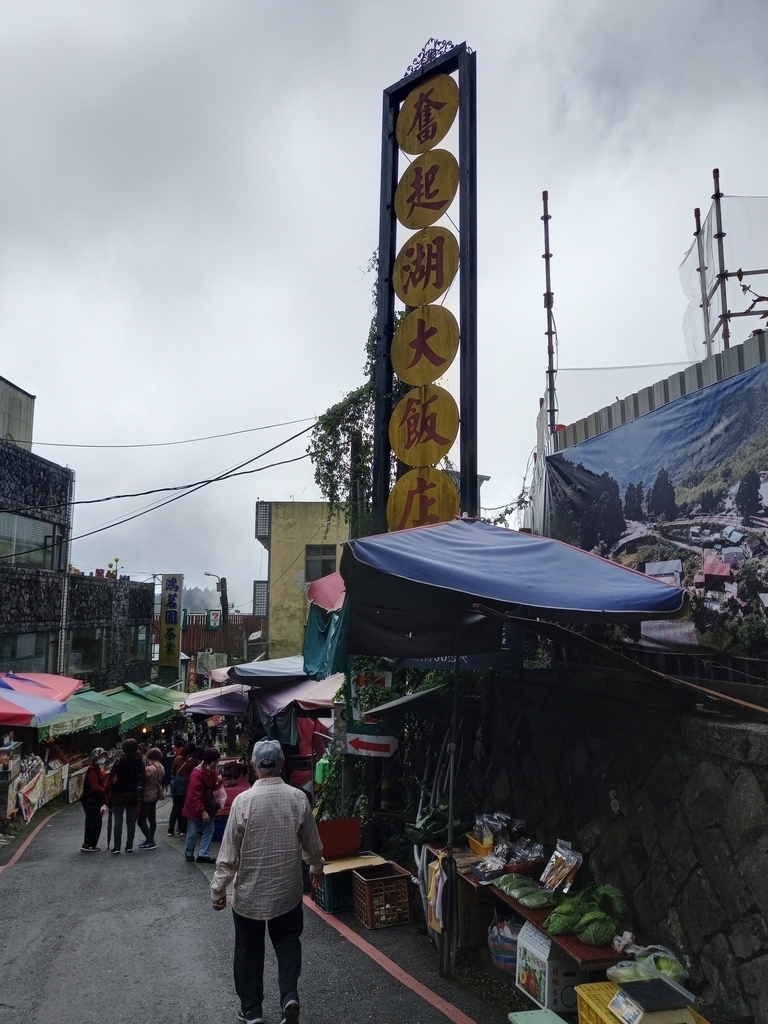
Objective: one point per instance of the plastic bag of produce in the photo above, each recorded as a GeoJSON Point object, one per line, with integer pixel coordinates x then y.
{"type": "Point", "coordinates": [596, 928]}
{"type": "Point", "coordinates": [663, 961]}
{"type": "Point", "coordinates": [516, 885]}
{"type": "Point", "coordinates": [631, 970]}
{"type": "Point", "coordinates": [562, 867]}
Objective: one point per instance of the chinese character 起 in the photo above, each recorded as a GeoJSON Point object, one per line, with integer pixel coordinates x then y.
{"type": "Point", "coordinates": [426, 266]}
{"type": "Point", "coordinates": [424, 120]}
{"type": "Point", "coordinates": [422, 193]}
{"type": "Point", "coordinates": [420, 424]}
{"type": "Point", "coordinates": [420, 346]}
{"type": "Point", "coordinates": [425, 502]}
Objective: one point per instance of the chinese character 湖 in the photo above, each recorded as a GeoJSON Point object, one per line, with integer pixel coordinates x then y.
{"type": "Point", "coordinates": [426, 266]}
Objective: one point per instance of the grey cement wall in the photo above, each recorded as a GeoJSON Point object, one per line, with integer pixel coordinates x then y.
{"type": "Point", "coordinates": [671, 809]}
{"type": "Point", "coordinates": [30, 600]}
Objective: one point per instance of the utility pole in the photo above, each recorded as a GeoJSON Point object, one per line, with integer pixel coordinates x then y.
{"type": "Point", "coordinates": [224, 615]}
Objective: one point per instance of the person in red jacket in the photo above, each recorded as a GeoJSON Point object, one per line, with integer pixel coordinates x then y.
{"type": "Point", "coordinates": [200, 806]}
{"type": "Point", "coordinates": [93, 800]}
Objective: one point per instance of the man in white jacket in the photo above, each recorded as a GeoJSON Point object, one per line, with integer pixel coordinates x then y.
{"type": "Point", "coordinates": [270, 828]}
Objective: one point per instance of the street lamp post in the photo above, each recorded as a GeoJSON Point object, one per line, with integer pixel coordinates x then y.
{"type": "Point", "coordinates": [221, 586]}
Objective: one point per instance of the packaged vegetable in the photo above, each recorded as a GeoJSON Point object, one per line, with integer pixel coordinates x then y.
{"type": "Point", "coordinates": [562, 867]}
{"type": "Point", "coordinates": [537, 899]}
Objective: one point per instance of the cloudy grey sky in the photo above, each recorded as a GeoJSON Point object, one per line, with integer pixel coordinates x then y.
{"type": "Point", "coordinates": [189, 196]}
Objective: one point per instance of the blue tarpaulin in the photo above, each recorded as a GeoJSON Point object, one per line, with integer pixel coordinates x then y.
{"type": "Point", "coordinates": [411, 593]}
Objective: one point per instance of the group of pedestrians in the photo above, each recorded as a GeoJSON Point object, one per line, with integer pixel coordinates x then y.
{"type": "Point", "coordinates": [130, 792]}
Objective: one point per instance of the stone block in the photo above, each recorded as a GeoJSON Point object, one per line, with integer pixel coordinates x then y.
{"type": "Point", "coordinates": [675, 840]}
{"type": "Point", "coordinates": [754, 978]}
{"type": "Point", "coordinates": [615, 842]}
{"type": "Point", "coordinates": [665, 782]}
{"type": "Point", "coordinates": [748, 937]}
{"type": "Point", "coordinates": [745, 815]}
{"type": "Point", "coordinates": [646, 819]}
{"type": "Point", "coordinates": [700, 910]}
{"type": "Point", "coordinates": [704, 796]}
{"type": "Point", "coordinates": [718, 865]}
{"type": "Point", "coordinates": [752, 862]}
{"type": "Point", "coordinates": [720, 969]}
{"type": "Point", "coordinates": [734, 741]}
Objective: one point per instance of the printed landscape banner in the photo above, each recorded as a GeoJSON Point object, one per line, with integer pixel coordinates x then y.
{"type": "Point", "coordinates": [697, 464]}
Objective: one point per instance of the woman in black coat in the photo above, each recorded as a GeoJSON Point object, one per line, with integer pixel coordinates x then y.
{"type": "Point", "coordinates": [126, 787]}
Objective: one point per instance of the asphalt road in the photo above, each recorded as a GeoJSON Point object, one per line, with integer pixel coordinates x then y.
{"type": "Point", "coordinates": [98, 938]}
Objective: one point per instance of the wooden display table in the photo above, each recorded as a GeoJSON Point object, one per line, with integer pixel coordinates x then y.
{"type": "Point", "coordinates": [589, 958]}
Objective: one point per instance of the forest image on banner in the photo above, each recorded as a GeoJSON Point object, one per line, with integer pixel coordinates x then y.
{"type": "Point", "coordinates": [682, 493]}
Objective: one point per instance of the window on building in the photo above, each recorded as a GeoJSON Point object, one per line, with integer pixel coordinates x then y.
{"type": "Point", "coordinates": [320, 561]}
{"type": "Point", "coordinates": [261, 598]}
{"type": "Point", "coordinates": [29, 542]}
{"type": "Point", "coordinates": [138, 644]}
{"type": "Point", "coordinates": [88, 650]}
{"type": "Point", "coordinates": [28, 652]}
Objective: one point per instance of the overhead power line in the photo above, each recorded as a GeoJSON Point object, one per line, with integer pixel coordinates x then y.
{"type": "Point", "coordinates": [188, 440]}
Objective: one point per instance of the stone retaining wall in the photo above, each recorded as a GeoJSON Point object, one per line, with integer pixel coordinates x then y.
{"type": "Point", "coordinates": [671, 809]}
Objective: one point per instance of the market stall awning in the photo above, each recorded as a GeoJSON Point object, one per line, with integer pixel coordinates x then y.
{"type": "Point", "coordinates": [220, 700]}
{"type": "Point", "coordinates": [110, 713]}
{"type": "Point", "coordinates": [155, 709]}
{"type": "Point", "coordinates": [274, 670]}
{"type": "Point", "coordinates": [174, 697]}
{"type": "Point", "coordinates": [410, 594]}
{"type": "Point", "coordinates": [40, 684]}
{"type": "Point", "coordinates": [80, 714]}
{"type": "Point", "coordinates": [308, 695]}
{"type": "Point", "coordinates": [20, 709]}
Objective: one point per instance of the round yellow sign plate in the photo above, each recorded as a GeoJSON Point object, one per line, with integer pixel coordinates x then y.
{"type": "Point", "coordinates": [425, 266]}
{"type": "Point", "coordinates": [427, 114]}
{"type": "Point", "coordinates": [422, 497]}
{"type": "Point", "coordinates": [426, 189]}
{"type": "Point", "coordinates": [424, 426]}
{"type": "Point", "coordinates": [425, 344]}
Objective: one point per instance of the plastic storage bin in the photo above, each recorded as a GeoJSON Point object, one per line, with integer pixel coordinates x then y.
{"type": "Point", "coordinates": [334, 895]}
{"type": "Point", "coordinates": [382, 895]}
{"type": "Point", "coordinates": [593, 1003]}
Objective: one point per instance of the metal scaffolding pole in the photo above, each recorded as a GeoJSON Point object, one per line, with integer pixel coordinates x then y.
{"type": "Point", "coordinates": [722, 275]}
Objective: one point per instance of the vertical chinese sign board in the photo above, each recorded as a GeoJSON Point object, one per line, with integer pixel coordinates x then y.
{"type": "Point", "coordinates": [418, 113]}
{"type": "Point", "coordinates": [170, 626]}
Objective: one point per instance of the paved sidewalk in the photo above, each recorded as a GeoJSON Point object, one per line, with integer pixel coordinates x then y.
{"type": "Point", "coordinates": [95, 937]}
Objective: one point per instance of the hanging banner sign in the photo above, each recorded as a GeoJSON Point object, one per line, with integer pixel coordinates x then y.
{"type": "Point", "coordinates": [213, 618]}
{"type": "Point", "coordinates": [427, 189]}
{"type": "Point", "coordinates": [424, 426]}
{"type": "Point", "coordinates": [425, 345]}
{"type": "Point", "coordinates": [422, 497]}
{"type": "Point", "coordinates": [170, 620]}
{"type": "Point", "coordinates": [426, 266]}
{"type": "Point", "coordinates": [427, 114]}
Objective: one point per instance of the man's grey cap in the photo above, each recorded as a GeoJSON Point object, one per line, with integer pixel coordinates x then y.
{"type": "Point", "coordinates": [267, 754]}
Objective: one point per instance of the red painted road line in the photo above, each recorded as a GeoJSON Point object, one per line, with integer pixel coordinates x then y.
{"type": "Point", "coordinates": [450, 1011]}
{"type": "Point", "coordinates": [26, 842]}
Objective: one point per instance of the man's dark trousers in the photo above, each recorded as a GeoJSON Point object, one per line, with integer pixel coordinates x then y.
{"type": "Point", "coordinates": [284, 931]}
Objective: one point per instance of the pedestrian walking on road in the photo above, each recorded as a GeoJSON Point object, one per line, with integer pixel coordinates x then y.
{"type": "Point", "coordinates": [94, 792]}
{"type": "Point", "coordinates": [270, 828]}
{"type": "Point", "coordinates": [200, 806]}
{"type": "Point", "coordinates": [183, 764]}
{"type": "Point", "coordinates": [153, 790]}
{"type": "Point", "coordinates": [126, 783]}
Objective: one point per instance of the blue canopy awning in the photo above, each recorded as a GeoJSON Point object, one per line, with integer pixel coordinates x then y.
{"type": "Point", "coordinates": [411, 592]}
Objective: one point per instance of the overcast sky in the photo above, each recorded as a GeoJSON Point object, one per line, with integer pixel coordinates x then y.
{"type": "Point", "coordinates": [189, 196]}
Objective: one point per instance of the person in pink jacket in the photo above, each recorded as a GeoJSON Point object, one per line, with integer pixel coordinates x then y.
{"type": "Point", "coordinates": [200, 806]}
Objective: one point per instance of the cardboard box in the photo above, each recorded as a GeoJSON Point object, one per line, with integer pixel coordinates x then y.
{"type": "Point", "coordinates": [475, 910]}
{"type": "Point", "coordinates": [546, 973]}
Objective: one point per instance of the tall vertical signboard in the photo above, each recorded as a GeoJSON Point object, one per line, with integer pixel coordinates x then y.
{"type": "Point", "coordinates": [170, 625]}
{"type": "Point", "coordinates": [419, 111]}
